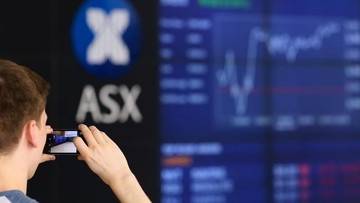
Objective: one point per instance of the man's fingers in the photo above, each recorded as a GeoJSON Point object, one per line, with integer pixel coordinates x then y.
{"type": "Point", "coordinates": [80, 145]}
{"type": "Point", "coordinates": [97, 134]}
{"type": "Point", "coordinates": [89, 138]}
{"type": "Point", "coordinates": [106, 137]}
{"type": "Point", "coordinates": [48, 129]}
{"type": "Point", "coordinates": [47, 157]}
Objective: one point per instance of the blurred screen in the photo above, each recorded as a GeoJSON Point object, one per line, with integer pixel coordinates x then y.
{"type": "Point", "coordinates": [259, 100]}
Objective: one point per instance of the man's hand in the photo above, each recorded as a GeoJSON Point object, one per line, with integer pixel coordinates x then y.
{"type": "Point", "coordinates": [47, 157]}
{"type": "Point", "coordinates": [105, 159]}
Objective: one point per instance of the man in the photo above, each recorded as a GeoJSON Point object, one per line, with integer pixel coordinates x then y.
{"type": "Point", "coordinates": [23, 129]}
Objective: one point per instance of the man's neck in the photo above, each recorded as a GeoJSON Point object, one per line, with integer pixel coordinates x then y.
{"type": "Point", "coordinates": [13, 173]}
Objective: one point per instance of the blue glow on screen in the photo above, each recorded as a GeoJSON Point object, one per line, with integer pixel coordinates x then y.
{"type": "Point", "coordinates": [264, 80]}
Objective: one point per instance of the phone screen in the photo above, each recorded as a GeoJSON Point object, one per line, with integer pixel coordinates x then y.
{"type": "Point", "coordinates": [61, 142]}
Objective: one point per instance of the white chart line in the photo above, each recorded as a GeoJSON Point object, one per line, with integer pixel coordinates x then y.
{"type": "Point", "coordinates": [276, 44]}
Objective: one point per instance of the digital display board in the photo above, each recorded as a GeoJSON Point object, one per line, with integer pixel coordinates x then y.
{"type": "Point", "coordinates": [273, 87]}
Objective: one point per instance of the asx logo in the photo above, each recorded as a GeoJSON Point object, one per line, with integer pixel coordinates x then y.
{"type": "Point", "coordinates": [106, 40]}
{"type": "Point", "coordinates": [90, 104]}
{"type": "Point", "coordinates": [106, 37]}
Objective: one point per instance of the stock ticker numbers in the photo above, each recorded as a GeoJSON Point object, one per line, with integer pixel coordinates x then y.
{"type": "Point", "coordinates": [316, 172]}
{"type": "Point", "coordinates": [261, 76]}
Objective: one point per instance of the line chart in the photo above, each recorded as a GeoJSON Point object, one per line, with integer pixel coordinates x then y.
{"type": "Point", "coordinates": [289, 54]}
{"type": "Point", "coordinates": [276, 44]}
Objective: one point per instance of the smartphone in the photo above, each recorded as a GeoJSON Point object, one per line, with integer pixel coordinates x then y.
{"type": "Point", "coordinates": [60, 142]}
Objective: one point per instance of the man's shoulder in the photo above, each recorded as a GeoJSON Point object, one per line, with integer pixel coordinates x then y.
{"type": "Point", "coordinates": [13, 196]}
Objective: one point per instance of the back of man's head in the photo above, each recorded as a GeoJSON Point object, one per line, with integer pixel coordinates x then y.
{"type": "Point", "coordinates": [23, 96]}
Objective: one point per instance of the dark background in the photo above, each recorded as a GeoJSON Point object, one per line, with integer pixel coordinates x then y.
{"type": "Point", "coordinates": [37, 34]}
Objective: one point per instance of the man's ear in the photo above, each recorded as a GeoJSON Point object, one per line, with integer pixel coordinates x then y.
{"type": "Point", "coordinates": [31, 133]}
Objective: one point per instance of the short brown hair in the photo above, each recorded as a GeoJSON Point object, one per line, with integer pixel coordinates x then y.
{"type": "Point", "coordinates": [23, 97]}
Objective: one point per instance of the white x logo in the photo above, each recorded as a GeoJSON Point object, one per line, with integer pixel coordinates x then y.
{"type": "Point", "coordinates": [107, 43]}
